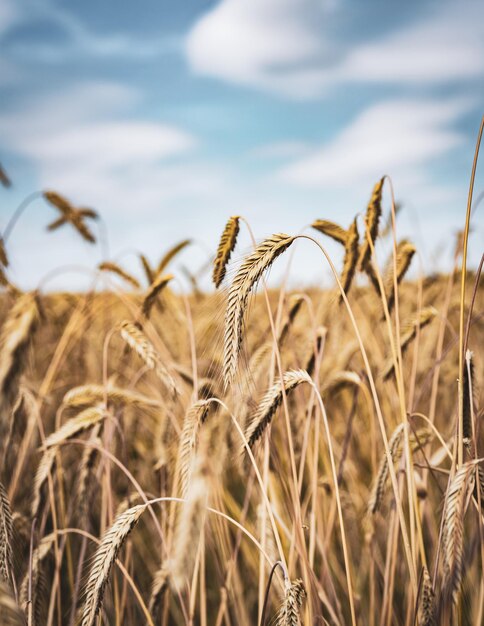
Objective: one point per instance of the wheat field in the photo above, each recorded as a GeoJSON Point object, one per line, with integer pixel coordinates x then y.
{"type": "Point", "coordinates": [245, 455]}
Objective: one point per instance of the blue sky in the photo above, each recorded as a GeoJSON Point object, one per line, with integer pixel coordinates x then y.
{"type": "Point", "coordinates": [168, 117]}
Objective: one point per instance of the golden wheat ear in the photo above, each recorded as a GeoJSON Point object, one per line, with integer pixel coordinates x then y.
{"type": "Point", "coordinates": [148, 270]}
{"type": "Point", "coordinates": [405, 252]}
{"type": "Point", "coordinates": [331, 229]}
{"type": "Point", "coordinates": [6, 536]}
{"type": "Point", "coordinates": [350, 260]}
{"type": "Point", "coordinates": [225, 248]}
{"type": "Point", "coordinates": [456, 502]}
{"type": "Point", "coordinates": [427, 612]}
{"type": "Point", "coordinates": [289, 613]}
{"type": "Point", "coordinates": [59, 202]}
{"type": "Point", "coordinates": [372, 220]}
{"type": "Point", "coordinates": [114, 268]}
{"type": "Point", "coordinates": [249, 273]}
{"type": "Point", "coordinates": [153, 292]}
{"type": "Point", "coordinates": [139, 342]}
{"type": "Point", "coordinates": [171, 254]}
{"type": "Point", "coordinates": [104, 558]}
{"type": "Point", "coordinates": [271, 402]}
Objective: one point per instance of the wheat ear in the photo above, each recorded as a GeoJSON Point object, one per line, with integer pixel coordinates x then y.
{"type": "Point", "coordinates": [194, 418]}
{"type": "Point", "coordinates": [153, 292]}
{"type": "Point", "coordinates": [457, 499]}
{"type": "Point", "coordinates": [139, 342]}
{"type": "Point", "coordinates": [405, 252]}
{"type": "Point", "coordinates": [225, 249]}
{"type": "Point", "coordinates": [114, 268]}
{"type": "Point", "coordinates": [104, 558]}
{"type": "Point", "coordinates": [350, 260]}
{"type": "Point", "coordinates": [247, 276]}
{"type": "Point", "coordinates": [171, 254]}
{"type": "Point", "coordinates": [331, 229]}
{"type": "Point", "coordinates": [372, 220]}
{"type": "Point", "coordinates": [6, 530]}
{"type": "Point", "coordinates": [288, 614]}
{"type": "Point", "coordinates": [271, 401]}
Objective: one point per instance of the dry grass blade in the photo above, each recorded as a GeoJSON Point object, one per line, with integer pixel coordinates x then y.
{"type": "Point", "coordinates": [457, 499]}
{"type": "Point", "coordinates": [271, 401]}
{"type": "Point", "coordinates": [225, 249]}
{"type": "Point", "coordinates": [107, 266]}
{"type": "Point", "coordinates": [249, 273]}
{"type": "Point", "coordinates": [408, 334]}
{"type": "Point", "coordinates": [405, 252]}
{"type": "Point", "coordinates": [140, 343]}
{"type": "Point", "coordinates": [372, 220]}
{"type": "Point", "coordinates": [351, 257]}
{"type": "Point", "coordinates": [289, 613]}
{"type": "Point", "coordinates": [103, 561]}
{"type": "Point", "coordinates": [331, 229]}
{"type": "Point", "coordinates": [171, 254]}
{"type": "Point", "coordinates": [6, 530]}
{"type": "Point", "coordinates": [153, 292]}
{"type": "Point", "coordinates": [427, 601]}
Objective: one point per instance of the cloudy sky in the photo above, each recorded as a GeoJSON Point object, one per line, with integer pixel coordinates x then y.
{"type": "Point", "coordinates": [170, 116]}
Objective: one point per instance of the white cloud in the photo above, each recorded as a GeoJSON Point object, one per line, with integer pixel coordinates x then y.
{"type": "Point", "coordinates": [394, 137]}
{"type": "Point", "coordinates": [297, 49]}
{"type": "Point", "coordinates": [83, 142]}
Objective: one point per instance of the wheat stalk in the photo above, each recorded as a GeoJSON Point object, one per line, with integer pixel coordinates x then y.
{"type": "Point", "coordinates": [247, 276]}
{"type": "Point", "coordinates": [225, 249]}
{"type": "Point", "coordinates": [427, 601]}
